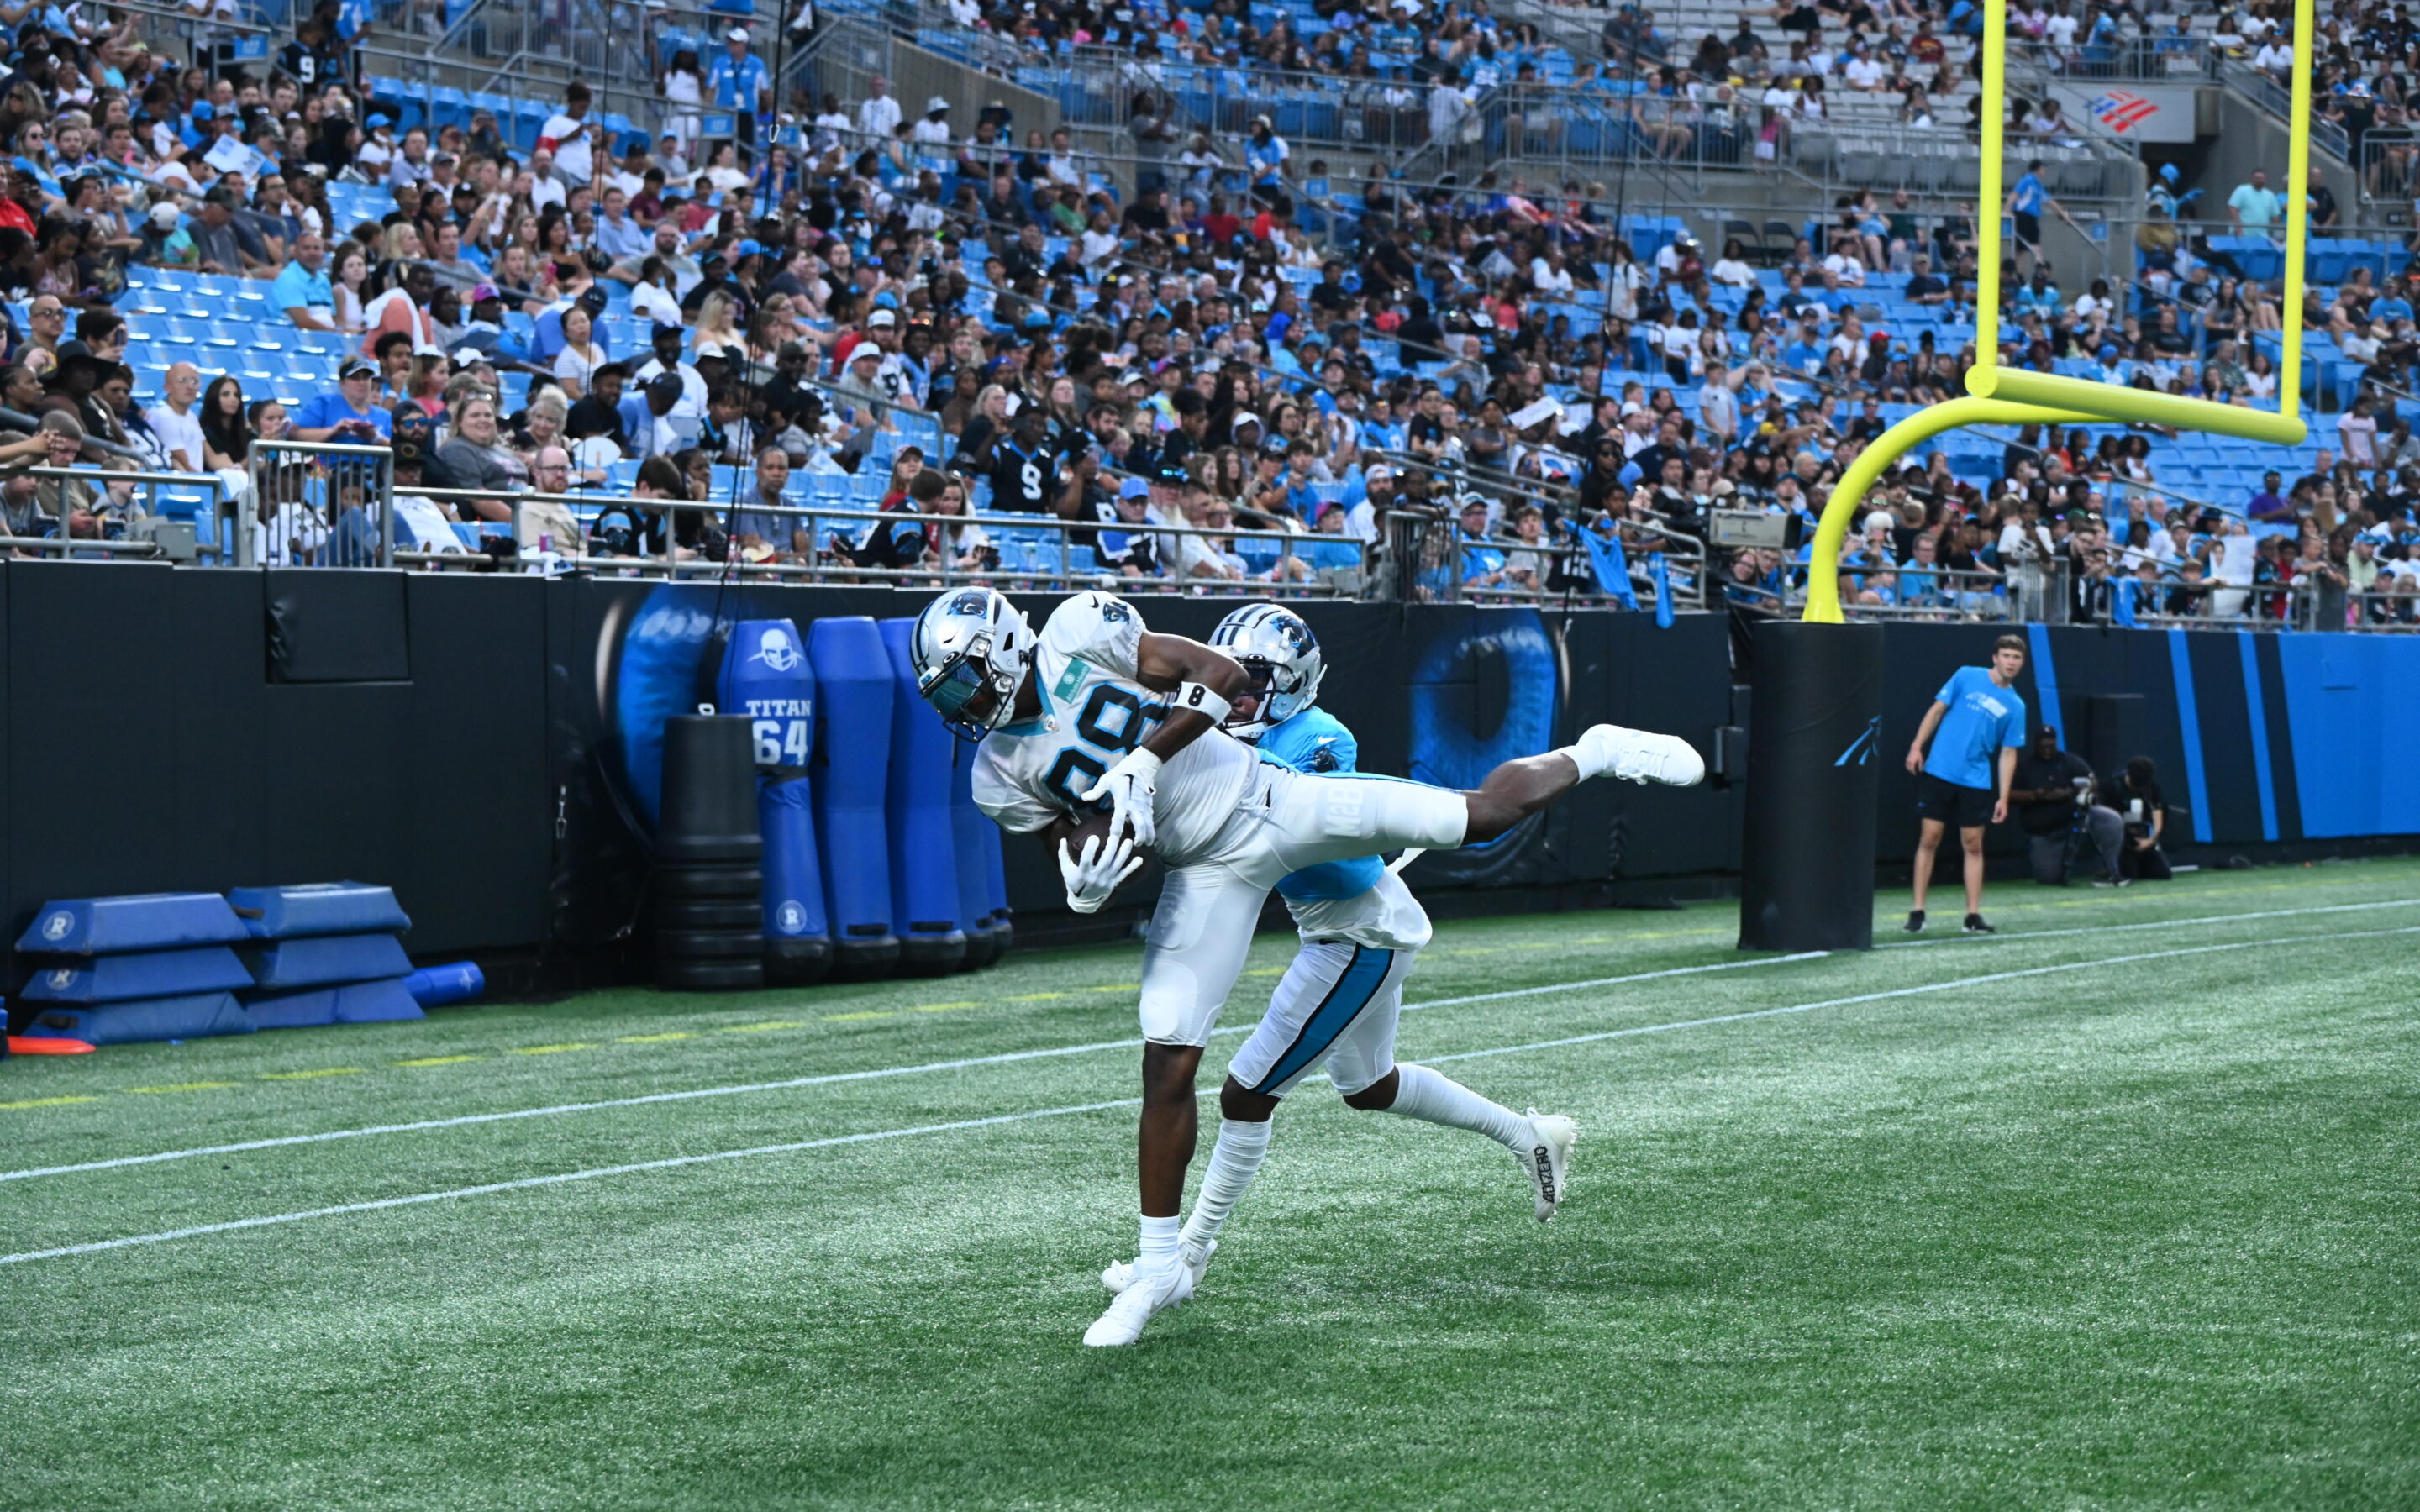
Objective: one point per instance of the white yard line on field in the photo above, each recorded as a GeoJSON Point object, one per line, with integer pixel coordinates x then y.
{"type": "Point", "coordinates": [2149, 923]}
{"type": "Point", "coordinates": [597, 1173]}
{"type": "Point", "coordinates": [827, 1079]}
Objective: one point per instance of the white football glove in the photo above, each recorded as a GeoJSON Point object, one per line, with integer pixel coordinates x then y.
{"type": "Point", "coordinates": [1097, 874]}
{"type": "Point", "coordinates": [1128, 787]}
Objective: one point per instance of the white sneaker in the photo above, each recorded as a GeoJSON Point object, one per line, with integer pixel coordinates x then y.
{"type": "Point", "coordinates": [1151, 1293]}
{"type": "Point", "coordinates": [1119, 1274]}
{"type": "Point", "coordinates": [1548, 1163]}
{"type": "Point", "coordinates": [1643, 756]}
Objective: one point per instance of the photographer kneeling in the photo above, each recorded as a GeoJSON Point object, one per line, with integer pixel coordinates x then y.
{"type": "Point", "coordinates": [2145, 817]}
{"type": "Point", "coordinates": [2053, 794]}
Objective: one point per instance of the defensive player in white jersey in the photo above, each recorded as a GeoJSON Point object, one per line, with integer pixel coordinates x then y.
{"type": "Point", "coordinates": [1098, 709]}
{"type": "Point", "coordinates": [1338, 1004]}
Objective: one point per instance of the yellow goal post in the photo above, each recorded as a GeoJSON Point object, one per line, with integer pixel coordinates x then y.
{"type": "Point", "coordinates": [1996, 395]}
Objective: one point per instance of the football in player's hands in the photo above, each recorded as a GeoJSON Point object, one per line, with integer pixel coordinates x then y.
{"type": "Point", "coordinates": [1074, 829]}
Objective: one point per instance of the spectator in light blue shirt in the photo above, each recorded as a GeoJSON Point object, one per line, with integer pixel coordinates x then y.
{"type": "Point", "coordinates": [302, 289]}
{"type": "Point", "coordinates": [618, 236]}
{"type": "Point", "coordinates": [2254, 207]}
{"type": "Point", "coordinates": [2040, 295]}
{"type": "Point", "coordinates": [350, 414]}
{"type": "Point", "coordinates": [1265, 154]}
{"type": "Point", "coordinates": [737, 80]}
{"type": "Point", "coordinates": [1482, 560]}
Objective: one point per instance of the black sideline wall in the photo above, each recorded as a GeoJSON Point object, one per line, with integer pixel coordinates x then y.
{"type": "Point", "coordinates": [479, 742]}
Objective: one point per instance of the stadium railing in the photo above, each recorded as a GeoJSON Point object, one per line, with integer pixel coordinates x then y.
{"type": "Point", "coordinates": [2396, 612]}
{"type": "Point", "coordinates": [2277, 100]}
{"type": "Point", "coordinates": [1942, 593]}
{"type": "Point", "coordinates": [1430, 560]}
{"type": "Point", "coordinates": [2187, 58]}
{"type": "Point", "coordinates": [168, 516]}
{"type": "Point", "coordinates": [317, 503]}
{"type": "Point", "coordinates": [1027, 551]}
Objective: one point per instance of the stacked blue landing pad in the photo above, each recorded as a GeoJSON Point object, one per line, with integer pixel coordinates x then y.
{"type": "Point", "coordinates": [325, 953]}
{"type": "Point", "coordinates": [154, 967]}
{"type": "Point", "coordinates": [186, 965]}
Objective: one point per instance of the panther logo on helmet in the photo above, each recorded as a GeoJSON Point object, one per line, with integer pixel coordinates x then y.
{"type": "Point", "coordinates": [1276, 648]}
{"type": "Point", "coordinates": [971, 649]}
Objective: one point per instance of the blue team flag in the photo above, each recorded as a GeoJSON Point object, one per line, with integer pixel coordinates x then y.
{"type": "Point", "coordinates": [1656, 574]}
{"type": "Point", "coordinates": [2121, 603]}
{"type": "Point", "coordinates": [1612, 566]}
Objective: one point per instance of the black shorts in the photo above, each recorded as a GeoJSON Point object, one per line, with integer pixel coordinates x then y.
{"type": "Point", "coordinates": [2028, 228]}
{"type": "Point", "coordinates": [1963, 807]}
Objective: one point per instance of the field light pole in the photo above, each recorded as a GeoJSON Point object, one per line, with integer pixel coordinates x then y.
{"type": "Point", "coordinates": [1815, 741]}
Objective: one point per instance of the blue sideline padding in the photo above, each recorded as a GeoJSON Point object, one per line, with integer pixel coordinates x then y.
{"type": "Point", "coordinates": [384, 1001]}
{"type": "Point", "coordinates": [388, 1000]}
{"type": "Point", "coordinates": [435, 987]}
{"type": "Point", "coordinates": [853, 679]}
{"type": "Point", "coordinates": [118, 978]}
{"type": "Point", "coordinates": [916, 809]}
{"type": "Point", "coordinates": [967, 827]}
{"type": "Point", "coordinates": [320, 908]}
{"type": "Point", "coordinates": [194, 1016]}
{"type": "Point", "coordinates": [995, 880]}
{"type": "Point", "coordinates": [766, 678]}
{"type": "Point", "coordinates": [794, 884]}
{"type": "Point", "coordinates": [305, 1008]}
{"type": "Point", "coordinates": [150, 921]}
{"type": "Point", "coordinates": [328, 960]}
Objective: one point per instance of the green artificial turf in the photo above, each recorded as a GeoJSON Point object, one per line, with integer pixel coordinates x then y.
{"type": "Point", "coordinates": [2137, 1234]}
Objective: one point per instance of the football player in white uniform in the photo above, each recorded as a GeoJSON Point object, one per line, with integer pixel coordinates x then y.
{"type": "Point", "coordinates": [1097, 710]}
{"type": "Point", "coordinates": [1338, 1004]}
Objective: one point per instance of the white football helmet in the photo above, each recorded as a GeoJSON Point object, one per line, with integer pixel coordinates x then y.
{"type": "Point", "coordinates": [1281, 655]}
{"type": "Point", "coordinates": [967, 641]}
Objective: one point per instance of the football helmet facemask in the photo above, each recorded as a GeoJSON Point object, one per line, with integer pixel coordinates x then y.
{"type": "Point", "coordinates": [1280, 654]}
{"type": "Point", "coordinates": [971, 649]}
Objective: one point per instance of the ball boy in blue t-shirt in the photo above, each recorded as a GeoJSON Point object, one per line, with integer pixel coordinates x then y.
{"type": "Point", "coordinates": [1975, 729]}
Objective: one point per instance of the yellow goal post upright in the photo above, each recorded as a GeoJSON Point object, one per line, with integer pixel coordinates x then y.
{"type": "Point", "coordinates": [2002, 396]}
{"type": "Point", "coordinates": [1816, 748]}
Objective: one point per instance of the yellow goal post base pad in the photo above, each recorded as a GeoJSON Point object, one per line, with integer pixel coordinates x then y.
{"type": "Point", "coordinates": [2008, 396]}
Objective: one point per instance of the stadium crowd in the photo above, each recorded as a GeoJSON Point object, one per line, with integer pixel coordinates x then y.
{"type": "Point", "coordinates": [1546, 406]}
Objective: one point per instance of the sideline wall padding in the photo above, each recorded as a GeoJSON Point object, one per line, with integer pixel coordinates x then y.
{"type": "Point", "coordinates": [2352, 703]}
{"type": "Point", "coordinates": [504, 793]}
{"type": "Point", "coordinates": [167, 760]}
{"type": "Point", "coordinates": [338, 626]}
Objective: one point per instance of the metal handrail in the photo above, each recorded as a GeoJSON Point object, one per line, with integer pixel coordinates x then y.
{"type": "Point", "coordinates": [210, 481]}
{"type": "Point", "coordinates": [2277, 101]}
{"type": "Point", "coordinates": [67, 546]}
{"type": "Point", "coordinates": [813, 515]}
{"type": "Point", "coordinates": [151, 11]}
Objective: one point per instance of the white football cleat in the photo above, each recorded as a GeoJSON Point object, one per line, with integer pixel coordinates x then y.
{"type": "Point", "coordinates": [1549, 1162]}
{"type": "Point", "coordinates": [1119, 1274]}
{"type": "Point", "coordinates": [1644, 756]}
{"type": "Point", "coordinates": [1148, 1295]}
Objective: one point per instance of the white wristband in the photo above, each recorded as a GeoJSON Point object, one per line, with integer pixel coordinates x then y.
{"type": "Point", "coordinates": [1199, 698]}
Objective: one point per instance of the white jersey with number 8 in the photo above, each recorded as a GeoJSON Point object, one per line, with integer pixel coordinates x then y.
{"type": "Point", "coordinates": [1094, 709]}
